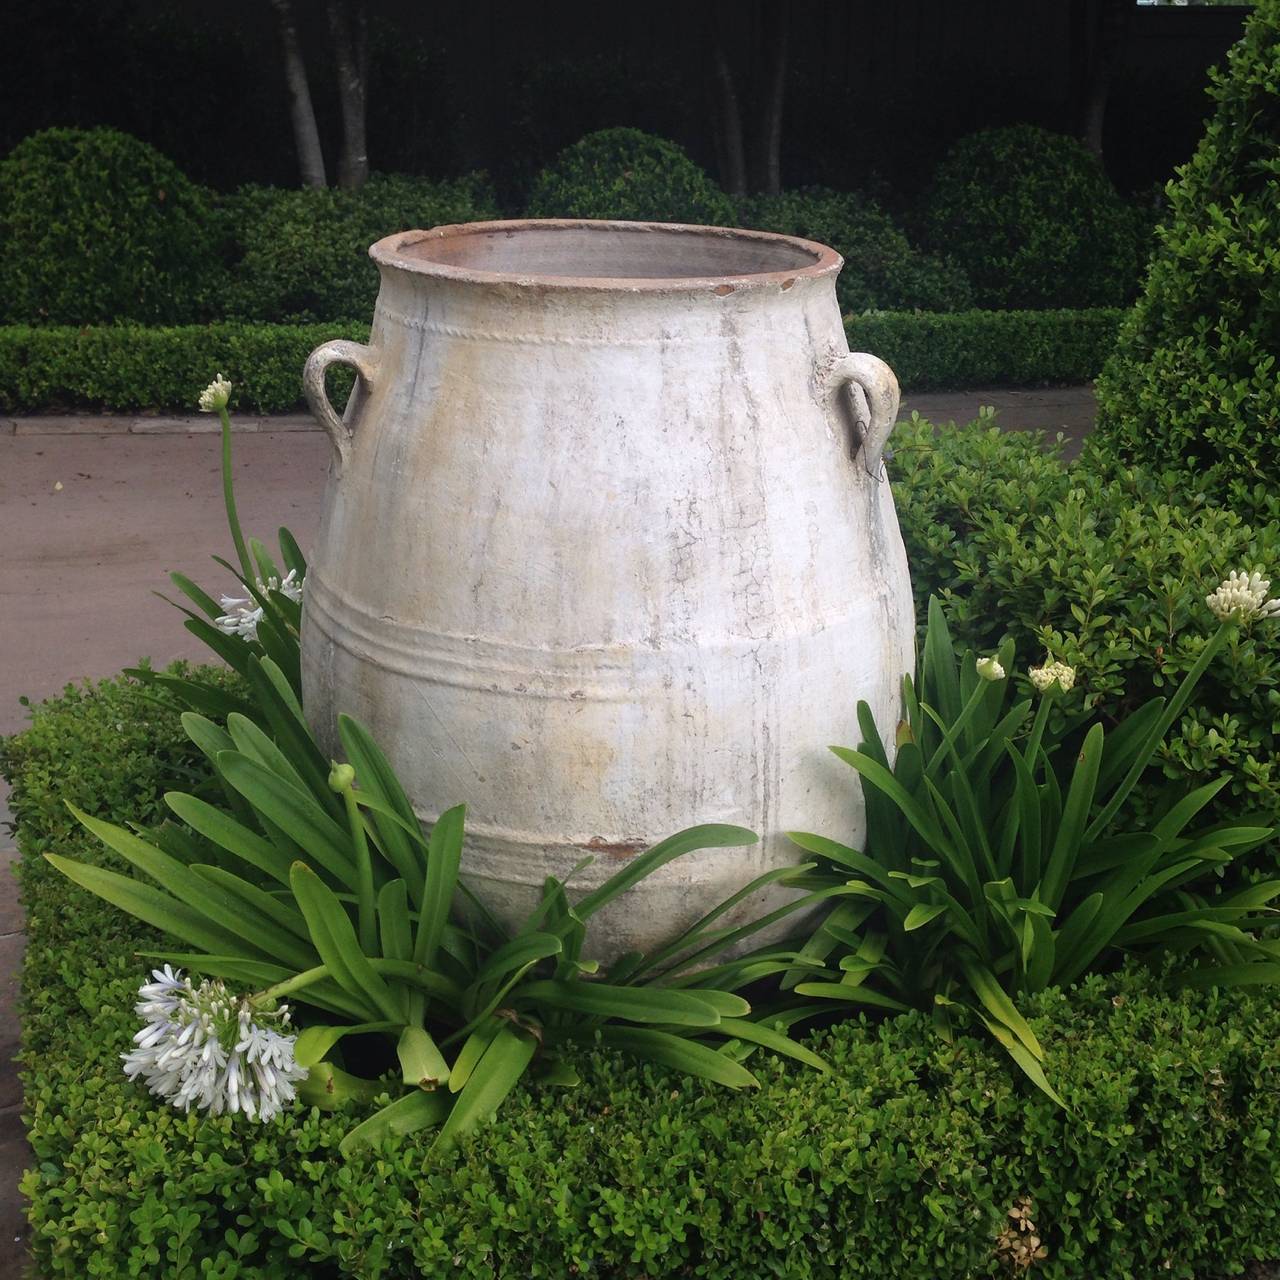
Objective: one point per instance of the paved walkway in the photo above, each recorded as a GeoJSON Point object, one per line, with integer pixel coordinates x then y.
{"type": "Point", "coordinates": [96, 512]}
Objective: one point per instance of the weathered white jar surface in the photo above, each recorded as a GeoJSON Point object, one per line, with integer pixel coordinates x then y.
{"type": "Point", "coordinates": [608, 549]}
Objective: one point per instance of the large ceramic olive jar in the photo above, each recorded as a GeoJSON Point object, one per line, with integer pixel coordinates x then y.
{"type": "Point", "coordinates": [608, 549]}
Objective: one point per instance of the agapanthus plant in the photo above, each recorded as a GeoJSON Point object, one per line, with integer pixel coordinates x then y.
{"type": "Point", "coordinates": [313, 880]}
{"type": "Point", "coordinates": [1000, 857]}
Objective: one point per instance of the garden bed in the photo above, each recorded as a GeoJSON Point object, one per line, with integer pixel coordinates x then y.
{"type": "Point", "coordinates": [905, 1161]}
{"type": "Point", "coordinates": [129, 367]}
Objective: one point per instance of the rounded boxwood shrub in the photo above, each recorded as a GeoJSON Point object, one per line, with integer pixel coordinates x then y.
{"type": "Point", "coordinates": [882, 270]}
{"type": "Point", "coordinates": [1193, 383]}
{"type": "Point", "coordinates": [630, 176]}
{"type": "Point", "coordinates": [304, 253]}
{"type": "Point", "coordinates": [98, 226]}
{"type": "Point", "coordinates": [1033, 219]}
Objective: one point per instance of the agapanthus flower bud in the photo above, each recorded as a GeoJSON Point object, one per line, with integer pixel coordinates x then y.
{"type": "Point", "coordinates": [1052, 673]}
{"type": "Point", "coordinates": [1243, 596]}
{"type": "Point", "coordinates": [341, 776]}
{"type": "Point", "coordinates": [215, 395]}
{"type": "Point", "coordinates": [990, 669]}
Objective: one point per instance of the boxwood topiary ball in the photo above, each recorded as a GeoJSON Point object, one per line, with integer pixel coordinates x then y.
{"type": "Point", "coordinates": [628, 175]}
{"type": "Point", "coordinates": [1034, 220]}
{"type": "Point", "coordinates": [96, 226]}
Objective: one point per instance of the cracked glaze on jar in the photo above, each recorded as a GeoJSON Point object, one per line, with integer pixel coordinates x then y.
{"type": "Point", "coordinates": [608, 550]}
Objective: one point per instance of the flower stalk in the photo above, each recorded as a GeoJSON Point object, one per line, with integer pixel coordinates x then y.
{"type": "Point", "coordinates": [342, 780]}
{"type": "Point", "coordinates": [213, 399]}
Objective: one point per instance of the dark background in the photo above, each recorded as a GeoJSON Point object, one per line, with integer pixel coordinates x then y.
{"type": "Point", "coordinates": [875, 90]}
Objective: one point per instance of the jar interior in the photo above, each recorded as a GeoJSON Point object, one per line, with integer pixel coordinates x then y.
{"type": "Point", "coordinates": [610, 251]}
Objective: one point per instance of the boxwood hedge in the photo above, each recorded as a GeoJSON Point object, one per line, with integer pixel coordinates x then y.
{"type": "Point", "coordinates": [905, 1162]}
{"type": "Point", "coordinates": [1108, 570]}
{"type": "Point", "coordinates": [126, 367]}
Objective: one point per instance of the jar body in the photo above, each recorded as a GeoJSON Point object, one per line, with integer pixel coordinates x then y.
{"type": "Point", "coordinates": [603, 565]}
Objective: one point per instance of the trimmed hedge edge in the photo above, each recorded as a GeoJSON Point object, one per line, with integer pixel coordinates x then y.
{"type": "Point", "coordinates": [132, 367]}
{"type": "Point", "coordinates": [904, 1162]}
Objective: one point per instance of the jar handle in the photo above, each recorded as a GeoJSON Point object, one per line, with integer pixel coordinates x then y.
{"type": "Point", "coordinates": [359, 358]}
{"type": "Point", "coordinates": [872, 389]}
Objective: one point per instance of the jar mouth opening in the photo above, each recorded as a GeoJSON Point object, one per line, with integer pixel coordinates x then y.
{"type": "Point", "coordinates": [625, 256]}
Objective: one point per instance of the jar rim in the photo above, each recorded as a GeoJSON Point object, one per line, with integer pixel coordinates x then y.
{"type": "Point", "coordinates": [626, 257]}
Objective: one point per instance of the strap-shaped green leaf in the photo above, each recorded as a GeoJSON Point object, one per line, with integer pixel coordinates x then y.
{"type": "Point", "coordinates": [198, 596]}
{"type": "Point", "coordinates": [291, 553]}
{"type": "Point", "coordinates": [688, 1056]}
{"type": "Point", "coordinates": [762, 1034]}
{"type": "Point", "coordinates": [225, 914]}
{"type": "Point", "coordinates": [921, 914]}
{"type": "Point", "coordinates": [473, 1049]}
{"type": "Point", "coordinates": [939, 680]}
{"type": "Point", "coordinates": [149, 905]}
{"type": "Point", "coordinates": [635, 1004]}
{"type": "Point", "coordinates": [294, 812]}
{"type": "Point", "coordinates": [397, 824]}
{"type": "Point", "coordinates": [1038, 963]}
{"type": "Point", "coordinates": [1074, 934]}
{"type": "Point", "coordinates": [880, 778]}
{"type": "Point", "coordinates": [220, 827]}
{"type": "Point", "coordinates": [1075, 817]}
{"type": "Point", "coordinates": [521, 951]}
{"type": "Point", "coordinates": [844, 918]}
{"type": "Point", "coordinates": [1125, 741]}
{"type": "Point", "coordinates": [329, 1087]}
{"type": "Point", "coordinates": [728, 1004]}
{"type": "Point", "coordinates": [841, 854]}
{"type": "Point", "coordinates": [209, 737]}
{"type": "Point", "coordinates": [847, 994]}
{"type": "Point", "coordinates": [335, 942]}
{"type": "Point", "coordinates": [444, 855]}
{"type": "Point", "coordinates": [251, 741]}
{"type": "Point", "coordinates": [313, 1043]}
{"type": "Point", "coordinates": [422, 1065]}
{"type": "Point", "coordinates": [279, 920]}
{"type": "Point", "coordinates": [415, 1111]}
{"type": "Point", "coordinates": [1026, 1061]}
{"type": "Point", "coordinates": [1252, 973]}
{"type": "Point", "coordinates": [721, 940]}
{"type": "Point", "coordinates": [437, 985]}
{"type": "Point", "coordinates": [395, 929]}
{"type": "Point", "coordinates": [690, 937]}
{"type": "Point", "coordinates": [1026, 872]}
{"type": "Point", "coordinates": [1170, 827]}
{"type": "Point", "coordinates": [708, 836]}
{"type": "Point", "coordinates": [504, 1061]}
{"type": "Point", "coordinates": [278, 701]}
{"type": "Point", "coordinates": [996, 1001]}
{"type": "Point", "coordinates": [234, 651]}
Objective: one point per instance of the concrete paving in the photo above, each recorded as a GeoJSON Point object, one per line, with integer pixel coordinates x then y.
{"type": "Point", "coordinates": [96, 512]}
{"type": "Point", "coordinates": [1069, 410]}
{"type": "Point", "coordinates": [92, 524]}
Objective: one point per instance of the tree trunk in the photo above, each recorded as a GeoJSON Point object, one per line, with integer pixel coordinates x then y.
{"type": "Point", "coordinates": [767, 158]}
{"type": "Point", "coordinates": [726, 112]}
{"type": "Point", "coordinates": [306, 137]}
{"type": "Point", "coordinates": [1111, 30]}
{"type": "Point", "coordinates": [350, 54]}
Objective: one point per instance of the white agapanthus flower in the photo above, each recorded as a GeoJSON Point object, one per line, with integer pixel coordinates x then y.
{"type": "Point", "coordinates": [240, 616]}
{"type": "Point", "coordinates": [1052, 673]}
{"type": "Point", "coordinates": [204, 1046]}
{"type": "Point", "coordinates": [990, 669]}
{"type": "Point", "coordinates": [215, 395]}
{"type": "Point", "coordinates": [1243, 596]}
